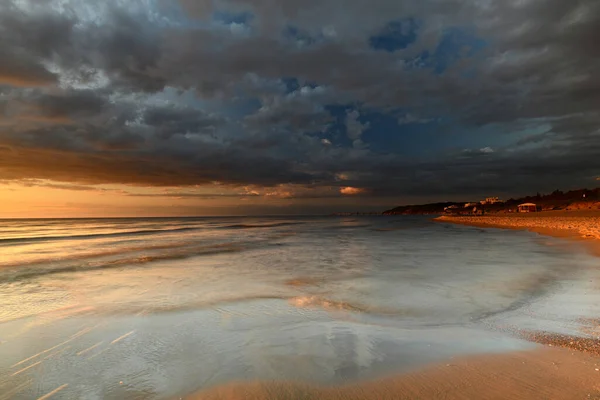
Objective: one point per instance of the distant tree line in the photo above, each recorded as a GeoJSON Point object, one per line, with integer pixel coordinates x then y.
{"type": "Point", "coordinates": [557, 200]}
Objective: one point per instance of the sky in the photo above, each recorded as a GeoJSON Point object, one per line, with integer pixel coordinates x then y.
{"type": "Point", "coordinates": [236, 107]}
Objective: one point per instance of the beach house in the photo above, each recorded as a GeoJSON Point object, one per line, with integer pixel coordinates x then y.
{"type": "Point", "coordinates": [528, 207]}
{"type": "Point", "coordinates": [491, 200]}
{"type": "Point", "coordinates": [453, 209]}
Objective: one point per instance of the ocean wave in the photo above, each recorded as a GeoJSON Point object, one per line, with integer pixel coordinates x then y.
{"type": "Point", "coordinates": [304, 281]}
{"type": "Point", "coordinates": [321, 302]}
{"type": "Point", "coordinates": [398, 227]}
{"type": "Point", "coordinates": [348, 227]}
{"type": "Point", "coordinates": [110, 252]}
{"type": "Point", "coordinates": [525, 291]}
{"type": "Point", "coordinates": [21, 272]}
{"type": "Point", "coordinates": [252, 226]}
{"type": "Point", "coordinates": [128, 308]}
{"type": "Point", "coordinates": [226, 305]}
{"type": "Point", "coordinates": [22, 240]}
{"type": "Point", "coordinates": [217, 305]}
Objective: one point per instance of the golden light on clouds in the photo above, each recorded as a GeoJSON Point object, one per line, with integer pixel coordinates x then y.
{"type": "Point", "coordinates": [351, 191]}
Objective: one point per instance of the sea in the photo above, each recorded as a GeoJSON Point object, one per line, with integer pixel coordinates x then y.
{"type": "Point", "coordinates": [158, 308]}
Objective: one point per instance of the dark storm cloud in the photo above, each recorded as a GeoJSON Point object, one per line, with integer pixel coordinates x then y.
{"type": "Point", "coordinates": [153, 170]}
{"type": "Point", "coordinates": [27, 40]}
{"type": "Point", "coordinates": [23, 70]}
{"type": "Point", "coordinates": [186, 195]}
{"type": "Point", "coordinates": [301, 110]}
{"type": "Point", "coordinates": [543, 63]}
{"type": "Point", "coordinates": [128, 51]}
{"type": "Point", "coordinates": [139, 93]}
{"type": "Point", "coordinates": [80, 103]}
{"type": "Point", "coordinates": [172, 121]}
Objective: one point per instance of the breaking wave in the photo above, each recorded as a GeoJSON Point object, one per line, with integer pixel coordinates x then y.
{"type": "Point", "coordinates": [252, 226]}
{"type": "Point", "coordinates": [93, 235]}
{"type": "Point", "coordinates": [11, 274]}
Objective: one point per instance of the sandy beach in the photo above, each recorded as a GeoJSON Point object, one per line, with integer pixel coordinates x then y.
{"type": "Point", "coordinates": [583, 225]}
{"type": "Point", "coordinates": [547, 373]}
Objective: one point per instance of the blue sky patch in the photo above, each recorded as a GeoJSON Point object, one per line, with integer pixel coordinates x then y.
{"type": "Point", "coordinates": [233, 18]}
{"type": "Point", "coordinates": [299, 36]}
{"type": "Point", "coordinates": [291, 84]}
{"type": "Point", "coordinates": [455, 44]}
{"type": "Point", "coordinates": [396, 35]}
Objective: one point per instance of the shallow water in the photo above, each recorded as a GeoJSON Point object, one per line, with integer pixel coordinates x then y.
{"type": "Point", "coordinates": [154, 308]}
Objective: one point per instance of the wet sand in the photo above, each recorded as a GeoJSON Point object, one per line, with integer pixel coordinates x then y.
{"type": "Point", "coordinates": [580, 225]}
{"type": "Point", "coordinates": [547, 373]}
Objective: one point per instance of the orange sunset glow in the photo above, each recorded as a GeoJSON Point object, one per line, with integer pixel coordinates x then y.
{"type": "Point", "coordinates": [48, 199]}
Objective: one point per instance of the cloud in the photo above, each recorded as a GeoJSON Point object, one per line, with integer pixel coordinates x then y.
{"type": "Point", "coordinates": [23, 72]}
{"type": "Point", "coordinates": [355, 129]}
{"type": "Point", "coordinates": [411, 119]}
{"type": "Point", "coordinates": [187, 195]}
{"type": "Point", "coordinates": [478, 152]}
{"type": "Point", "coordinates": [351, 191]}
{"type": "Point", "coordinates": [141, 93]}
{"type": "Point", "coordinates": [301, 109]}
{"type": "Point", "coordinates": [67, 105]}
{"type": "Point", "coordinates": [59, 186]}
{"type": "Point", "coordinates": [169, 121]}
{"type": "Point", "coordinates": [27, 40]}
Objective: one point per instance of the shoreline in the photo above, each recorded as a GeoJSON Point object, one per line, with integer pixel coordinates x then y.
{"type": "Point", "coordinates": [541, 373]}
{"type": "Point", "coordinates": [564, 367]}
{"type": "Point", "coordinates": [580, 226]}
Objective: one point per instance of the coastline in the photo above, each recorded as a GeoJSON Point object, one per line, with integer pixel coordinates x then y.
{"type": "Point", "coordinates": [582, 226]}
{"type": "Point", "coordinates": [542, 373]}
